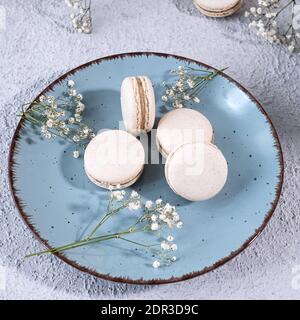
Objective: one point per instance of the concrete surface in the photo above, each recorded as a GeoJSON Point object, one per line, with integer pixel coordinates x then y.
{"type": "Point", "coordinates": [38, 45]}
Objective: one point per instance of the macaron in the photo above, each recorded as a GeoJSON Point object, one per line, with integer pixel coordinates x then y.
{"type": "Point", "coordinates": [114, 159]}
{"type": "Point", "coordinates": [182, 126]}
{"type": "Point", "coordinates": [218, 8]}
{"type": "Point", "coordinates": [138, 104]}
{"type": "Point", "coordinates": [196, 171]}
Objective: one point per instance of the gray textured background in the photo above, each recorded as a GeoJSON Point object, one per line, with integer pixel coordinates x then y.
{"type": "Point", "coordinates": [38, 45]}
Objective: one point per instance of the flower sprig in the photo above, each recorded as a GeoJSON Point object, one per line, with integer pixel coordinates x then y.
{"type": "Point", "coordinates": [81, 17]}
{"type": "Point", "coordinates": [155, 218]}
{"type": "Point", "coordinates": [60, 117]}
{"type": "Point", "coordinates": [186, 87]}
{"type": "Point", "coordinates": [265, 20]}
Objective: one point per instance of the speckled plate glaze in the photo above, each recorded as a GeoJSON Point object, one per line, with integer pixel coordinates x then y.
{"type": "Point", "coordinates": [59, 204]}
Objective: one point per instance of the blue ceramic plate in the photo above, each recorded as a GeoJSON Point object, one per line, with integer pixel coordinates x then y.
{"type": "Point", "coordinates": [60, 204]}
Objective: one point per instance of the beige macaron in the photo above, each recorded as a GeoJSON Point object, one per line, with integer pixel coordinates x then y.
{"type": "Point", "coordinates": [138, 104]}
{"type": "Point", "coordinates": [196, 171]}
{"type": "Point", "coordinates": [114, 159]}
{"type": "Point", "coordinates": [182, 126]}
{"type": "Point", "coordinates": [218, 8]}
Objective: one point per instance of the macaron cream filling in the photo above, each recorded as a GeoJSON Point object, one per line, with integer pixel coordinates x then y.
{"type": "Point", "coordinates": [137, 104]}
{"type": "Point", "coordinates": [142, 104]}
{"type": "Point", "coordinates": [107, 185]}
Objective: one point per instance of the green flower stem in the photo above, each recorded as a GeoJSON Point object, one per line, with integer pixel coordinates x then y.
{"type": "Point", "coordinates": [85, 242]}
{"type": "Point", "coordinates": [202, 81]}
{"type": "Point", "coordinates": [199, 70]}
{"type": "Point", "coordinates": [283, 8]}
{"type": "Point", "coordinates": [139, 244]}
{"type": "Point", "coordinates": [107, 216]}
{"type": "Point", "coordinates": [28, 117]}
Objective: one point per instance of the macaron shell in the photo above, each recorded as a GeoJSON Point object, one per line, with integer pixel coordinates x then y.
{"type": "Point", "coordinates": [160, 149]}
{"type": "Point", "coordinates": [196, 171]}
{"type": "Point", "coordinates": [114, 157]}
{"type": "Point", "coordinates": [182, 126]}
{"type": "Point", "coordinates": [218, 13]}
{"type": "Point", "coordinates": [217, 5]}
{"type": "Point", "coordinates": [128, 104]}
{"type": "Point", "coordinates": [133, 119]}
{"type": "Point", "coordinates": [151, 99]}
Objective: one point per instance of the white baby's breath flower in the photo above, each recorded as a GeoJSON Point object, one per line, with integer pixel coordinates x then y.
{"type": "Point", "coordinates": [165, 245]}
{"type": "Point", "coordinates": [118, 195]}
{"type": "Point", "coordinates": [173, 259]}
{"type": "Point", "coordinates": [134, 205]}
{"type": "Point", "coordinates": [162, 217]}
{"type": "Point", "coordinates": [71, 120]}
{"type": "Point", "coordinates": [186, 97]}
{"type": "Point", "coordinates": [179, 224]}
{"type": "Point", "coordinates": [196, 100]}
{"type": "Point", "coordinates": [80, 107]}
{"type": "Point", "coordinates": [173, 247]}
{"type": "Point", "coordinates": [170, 238]}
{"type": "Point", "coordinates": [72, 92]}
{"type": "Point", "coordinates": [44, 129]}
{"type": "Point", "coordinates": [50, 99]}
{"type": "Point", "coordinates": [49, 123]}
{"type": "Point", "coordinates": [177, 105]}
{"type": "Point", "coordinates": [164, 98]}
{"type": "Point", "coordinates": [134, 194]}
{"type": "Point", "coordinates": [191, 83]}
{"type": "Point", "coordinates": [291, 48]}
{"type": "Point", "coordinates": [168, 208]}
{"type": "Point", "coordinates": [47, 135]}
{"type": "Point", "coordinates": [76, 154]}
{"type": "Point", "coordinates": [175, 217]}
{"type": "Point", "coordinates": [71, 83]}
{"type": "Point", "coordinates": [78, 117]}
{"type": "Point", "coordinates": [42, 98]}
{"type": "Point", "coordinates": [170, 92]}
{"type": "Point", "coordinates": [79, 97]}
{"type": "Point", "coordinates": [158, 202]}
{"type": "Point", "coordinates": [156, 264]}
{"type": "Point", "coordinates": [76, 138]}
{"type": "Point", "coordinates": [154, 226]}
{"type": "Point", "coordinates": [153, 217]}
{"type": "Point", "coordinates": [148, 204]}
{"type": "Point", "coordinates": [265, 20]}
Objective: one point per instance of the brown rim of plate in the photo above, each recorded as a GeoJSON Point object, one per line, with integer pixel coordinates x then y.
{"type": "Point", "coordinates": [26, 217]}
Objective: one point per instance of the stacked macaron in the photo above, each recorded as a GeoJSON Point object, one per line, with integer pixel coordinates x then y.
{"type": "Point", "coordinates": [115, 158]}
{"type": "Point", "coordinates": [195, 168]}
{"type": "Point", "coordinates": [218, 8]}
